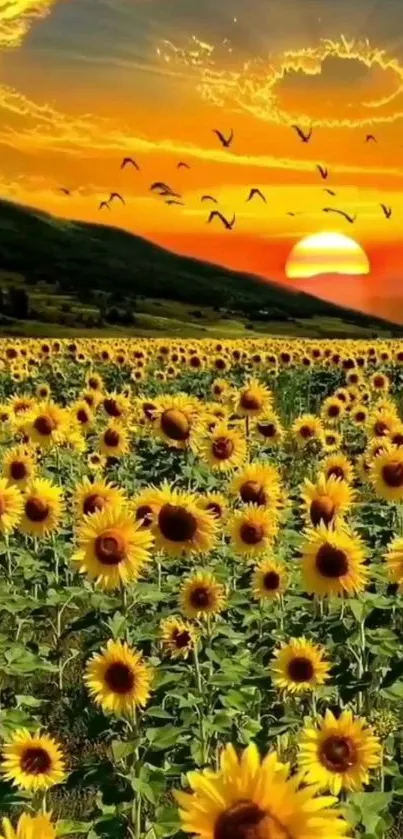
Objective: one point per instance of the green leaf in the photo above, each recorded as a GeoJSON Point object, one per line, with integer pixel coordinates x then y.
{"type": "Point", "coordinates": [65, 827]}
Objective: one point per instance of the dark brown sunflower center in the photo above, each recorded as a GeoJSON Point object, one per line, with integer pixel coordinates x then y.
{"type": "Point", "coordinates": [306, 432]}
{"type": "Point", "coordinates": [176, 523]}
{"type": "Point", "coordinates": [251, 534]}
{"type": "Point", "coordinates": [175, 424]}
{"type": "Point", "coordinates": [331, 562]}
{"type": "Point", "coordinates": [181, 638]}
{"type": "Point", "coordinates": [110, 547]}
{"type": "Point", "coordinates": [333, 410]}
{"type": "Point", "coordinates": [93, 503]}
{"type": "Point", "coordinates": [82, 416]}
{"type": "Point", "coordinates": [111, 438]}
{"type": "Point", "coordinates": [44, 425]}
{"type": "Point", "coordinates": [300, 669]}
{"type": "Point", "coordinates": [144, 514]}
{"type": "Point", "coordinates": [119, 677]}
{"type": "Point", "coordinates": [267, 429]}
{"type": "Point", "coordinates": [200, 597]}
{"type": "Point", "coordinates": [93, 383]}
{"type": "Point", "coordinates": [35, 761]}
{"type": "Point", "coordinates": [360, 416]}
{"type": "Point", "coordinates": [245, 820]}
{"type": "Point", "coordinates": [252, 492]}
{"type": "Point", "coordinates": [271, 581]}
{"type": "Point", "coordinates": [215, 509]}
{"type": "Point", "coordinates": [379, 381]}
{"type": "Point", "coordinates": [338, 754]}
{"type": "Point", "coordinates": [322, 509]}
{"type": "Point", "coordinates": [112, 408]}
{"type": "Point", "coordinates": [18, 470]}
{"type": "Point", "coordinates": [250, 401]}
{"type": "Point", "coordinates": [392, 474]}
{"type": "Point", "coordinates": [380, 428]}
{"type": "Point", "coordinates": [36, 509]}
{"type": "Point", "coordinates": [397, 439]}
{"type": "Point", "coordinates": [222, 448]}
{"type": "Point", "coordinates": [336, 471]}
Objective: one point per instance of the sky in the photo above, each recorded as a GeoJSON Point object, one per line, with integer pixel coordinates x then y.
{"type": "Point", "coordinates": [84, 83]}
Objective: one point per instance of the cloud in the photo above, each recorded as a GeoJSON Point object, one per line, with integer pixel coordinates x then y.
{"type": "Point", "coordinates": [17, 17]}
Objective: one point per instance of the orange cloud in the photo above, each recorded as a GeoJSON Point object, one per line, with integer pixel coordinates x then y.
{"type": "Point", "coordinates": [17, 17]}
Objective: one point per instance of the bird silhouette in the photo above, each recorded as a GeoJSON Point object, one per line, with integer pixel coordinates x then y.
{"type": "Point", "coordinates": [172, 201]}
{"type": "Point", "coordinates": [159, 186]}
{"type": "Point", "coordinates": [104, 204]}
{"type": "Point", "coordinates": [293, 214]}
{"type": "Point", "coordinates": [182, 165]}
{"type": "Point", "coordinates": [323, 171]}
{"type": "Point", "coordinates": [350, 219]}
{"type": "Point", "coordinates": [125, 162]}
{"type": "Point", "coordinates": [116, 195]}
{"type": "Point", "coordinates": [329, 191]}
{"type": "Point", "coordinates": [370, 137]}
{"type": "Point", "coordinates": [209, 198]}
{"type": "Point", "coordinates": [64, 190]}
{"type": "Point", "coordinates": [227, 224]}
{"type": "Point", "coordinates": [225, 141]}
{"type": "Point", "coordinates": [386, 210]}
{"type": "Point", "coordinates": [304, 137]}
{"type": "Point", "coordinates": [257, 192]}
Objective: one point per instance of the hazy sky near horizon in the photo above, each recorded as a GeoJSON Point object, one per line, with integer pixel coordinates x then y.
{"type": "Point", "coordinates": [85, 82]}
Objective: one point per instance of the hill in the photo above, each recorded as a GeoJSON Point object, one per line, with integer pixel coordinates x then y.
{"type": "Point", "coordinates": [80, 276]}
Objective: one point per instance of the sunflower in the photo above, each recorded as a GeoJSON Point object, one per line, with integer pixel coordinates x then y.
{"type": "Point", "coordinates": [112, 548]}
{"type": "Point", "coordinates": [252, 400]}
{"type": "Point", "coordinates": [215, 503]}
{"type": "Point", "coordinates": [43, 508]}
{"type": "Point", "coordinates": [338, 466]}
{"type": "Point", "coordinates": [380, 383]}
{"type": "Point", "coordinates": [89, 497]}
{"type": "Point", "coordinates": [96, 462]}
{"type": "Point", "coordinates": [11, 506]}
{"type": "Point", "coordinates": [252, 530]}
{"type": "Point", "coordinates": [332, 410]}
{"type": "Point", "coordinates": [118, 679]}
{"type": "Point", "coordinates": [268, 428]}
{"type": "Point", "coordinates": [307, 428]}
{"type": "Point", "coordinates": [332, 440]}
{"type": "Point", "coordinates": [220, 389]}
{"type": "Point", "coordinates": [394, 561]}
{"type": "Point", "coordinates": [381, 421]}
{"type": "Point", "coordinates": [19, 466]}
{"type": "Point", "coordinates": [333, 562]}
{"type": "Point", "coordinates": [177, 420]}
{"type": "Point", "coordinates": [359, 415]}
{"type": "Point", "coordinates": [269, 579]}
{"type": "Point", "coordinates": [387, 474]}
{"type": "Point", "coordinates": [258, 483]}
{"type": "Point", "coordinates": [178, 637]}
{"type": "Point", "coordinates": [113, 441]}
{"type": "Point", "coordinates": [46, 425]}
{"type": "Point", "coordinates": [181, 525]}
{"type": "Point", "coordinates": [299, 666]}
{"type": "Point", "coordinates": [30, 827]}
{"type": "Point", "coordinates": [252, 799]}
{"type": "Point", "coordinates": [363, 468]}
{"type": "Point", "coordinates": [33, 761]}
{"type": "Point", "coordinates": [42, 391]}
{"type": "Point", "coordinates": [327, 500]}
{"type": "Point", "coordinates": [339, 753]}
{"type": "Point", "coordinates": [224, 449]}
{"type": "Point", "coordinates": [82, 415]}
{"type": "Point", "coordinates": [201, 596]}
{"type": "Point", "coordinates": [94, 381]}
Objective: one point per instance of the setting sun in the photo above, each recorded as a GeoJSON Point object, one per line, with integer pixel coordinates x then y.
{"type": "Point", "coordinates": [326, 253]}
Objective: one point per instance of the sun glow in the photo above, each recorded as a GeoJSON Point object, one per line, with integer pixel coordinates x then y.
{"type": "Point", "coordinates": [326, 253]}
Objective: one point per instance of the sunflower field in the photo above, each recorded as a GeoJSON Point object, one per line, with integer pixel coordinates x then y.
{"type": "Point", "coordinates": [201, 578]}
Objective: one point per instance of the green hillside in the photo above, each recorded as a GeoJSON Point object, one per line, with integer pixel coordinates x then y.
{"type": "Point", "coordinates": [59, 275]}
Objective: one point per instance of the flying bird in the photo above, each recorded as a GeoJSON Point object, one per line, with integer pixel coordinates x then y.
{"type": "Point", "coordinates": [209, 198]}
{"type": "Point", "coordinates": [370, 137]}
{"type": "Point", "coordinates": [350, 219]}
{"type": "Point", "coordinates": [64, 190]}
{"type": "Point", "coordinates": [225, 141]}
{"type": "Point", "coordinates": [104, 204]}
{"type": "Point", "coordinates": [125, 162]}
{"type": "Point", "coordinates": [161, 187]}
{"type": "Point", "coordinates": [182, 165]}
{"type": "Point", "coordinates": [329, 191]}
{"type": "Point", "coordinates": [387, 210]}
{"type": "Point", "coordinates": [293, 214]}
{"type": "Point", "coordinates": [116, 195]}
{"type": "Point", "coordinates": [227, 224]}
{"type": "Point", "coordinates": [257, 192]}
{"type": "Point", "coordinates": [172, 201]}
{"type": "Point", "coordinates": [323, 171]}
{"type": "Point", "coordinates": [304, 137]}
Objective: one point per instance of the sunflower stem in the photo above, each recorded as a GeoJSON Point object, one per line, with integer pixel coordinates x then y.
{"type": "Point", "coordinates": [202, 733]}
{"type": "Point", "coordinates": [8, 556]}
{"type": "Point", "coordinates": [360, 668]}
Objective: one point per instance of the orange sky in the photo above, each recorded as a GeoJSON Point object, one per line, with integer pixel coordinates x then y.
{"type": "Point", "coordinates": [84, 82]}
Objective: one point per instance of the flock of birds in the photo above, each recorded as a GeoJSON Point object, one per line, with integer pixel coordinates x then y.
{"type": "Point", "coordinates": [174, 198]}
